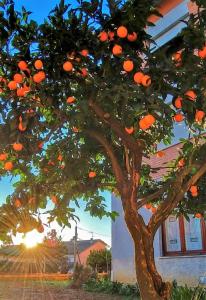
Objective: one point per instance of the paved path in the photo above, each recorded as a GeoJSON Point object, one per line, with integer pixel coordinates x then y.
{"type": "Point", "coordinates": [28, 290]}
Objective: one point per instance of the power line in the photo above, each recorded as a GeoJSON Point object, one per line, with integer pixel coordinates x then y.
{"type": "Point", "coordinates": [93, 232]}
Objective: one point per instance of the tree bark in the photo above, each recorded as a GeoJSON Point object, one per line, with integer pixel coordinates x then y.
{"type": "Point", "coordinates": [149, 280]}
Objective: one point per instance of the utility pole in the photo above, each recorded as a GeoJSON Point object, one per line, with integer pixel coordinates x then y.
{"type": "Point", "coordinates": [75, 246]}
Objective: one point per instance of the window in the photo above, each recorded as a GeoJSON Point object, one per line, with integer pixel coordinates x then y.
{"type": "Point", "coordinates": [181, 237]}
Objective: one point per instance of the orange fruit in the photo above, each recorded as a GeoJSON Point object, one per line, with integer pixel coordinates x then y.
{"type": "Point", "coordinates": [122, 32]}
{"type": "Point", "coordinates": [148, 205]}
{"type": "Point", "coordinates": [132, 37]}
{"type": "Point", "coordinates": [40, 145]}
{"type": "Point", "coordinates": [3, 156]}
{"type": "Point", "coordinates": [177, 57]}
{"type": "Point", "coordinates": [193, 189]}
{"type": "Point", "coordinates": [67, 66]}
{"type": "Point", "coordinates": [75, 129]}
{"type": "Point", "coordinates": [181, 163]}
{"type": "Point", "coordinates": [22, 65]}
{"type": "Point", "coordinates": [17, 146]}
{"type": "Point", "coordinates": [84, 72]}
{"type": "Point", "coordinates": [117, 50]}
{"type": "Point", "coordinates": [128, 65]}
{"type": "Point", "coordinates": [17, 203]}
{"type": "Point", "coordinates": [84, 52]}
{"type": "Point", "coordinates": [60, 157]}
{"type": "Point", "coordinates": [153, 209]}
{"type": "Point", "coordinates": [191, 95]}
{"type": "Point", "coordinates": [40, 228]}
{"type": "Point", "coordinates": [8, 166]}
{"type": "Point", "coordinates": [103, 36]}
{"type": "Point", "coordinates": [146, 80]}
{"type": "Point", "coordinates": [160, 154]}
{"type": "Point", "coordinates": [21, 92]}
{"type": "Point", "coordinates": [199, 115]}
{"type": "Point", "coordinates": [138, 77]}
{"type": "Point", "coordinates": [18, 78]}
{"type": "Point", "coordinates": [146, 122]}
{"type": "Point", "coordinates": [129, 130]}
{"type": "Point", "coordinates": [70, 100]}
{"type": "Point", "coordinates": [21, 127]}
{"type": "Point", "coordinates": [198, 215]}
{"type": "Point", "coordinates": [26, 89]}
{"type": "Point", "coordinates": [54, 199]}
{"type": "Point", "coordinates": [178, 117]}
{"type": "Point", "coordinates": [38, 64]}
{"type": "Point", "coordinates": [111, 35]}
{"type": "Point", "coordinates": [202, 53]}
{"type": "Point", "coordinates": [12, 85]}
{"type": "Point", "coordinates": [39, 77]}
{"type": "Point", "coordinates": [178, 102]}
{"type": "Point", "coordinates": [92, 174]}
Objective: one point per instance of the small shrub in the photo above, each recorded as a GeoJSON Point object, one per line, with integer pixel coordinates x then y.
{"type": "Point", "coordinates": [186, 293]}
{"type": "Point", "coordinates": [81, 275]}
{"type": "Point", "coordinates": [108, 287]}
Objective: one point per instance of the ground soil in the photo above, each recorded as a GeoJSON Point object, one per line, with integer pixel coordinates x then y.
{"type": "Point", "coordinates": [30, 290]}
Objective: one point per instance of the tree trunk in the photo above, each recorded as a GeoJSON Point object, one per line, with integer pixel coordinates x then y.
{"type": "Point", "coordinates": [149, 280]}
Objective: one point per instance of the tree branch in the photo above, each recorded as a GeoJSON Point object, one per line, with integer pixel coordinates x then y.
{"type": "Point", "coordinates": [175, 195]}
{"type": "Point", "coordinates": [118, 172]}
{"type": "Point", "coordinates": [135, 146]}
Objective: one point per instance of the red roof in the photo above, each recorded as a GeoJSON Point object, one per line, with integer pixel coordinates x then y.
{"type": "Point", "coordinates": [171, 153]}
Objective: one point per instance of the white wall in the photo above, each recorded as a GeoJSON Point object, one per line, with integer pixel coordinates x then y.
{"type": "Point", "coordinates": [183, 269]}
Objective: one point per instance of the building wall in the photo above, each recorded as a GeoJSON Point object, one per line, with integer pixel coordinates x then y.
{"type": "Point", "coordinates": [183, 269]}
{"type": "Point", "coordinates": [83, 255]}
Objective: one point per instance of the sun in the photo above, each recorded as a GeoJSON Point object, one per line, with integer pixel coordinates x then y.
{"type": "Point", "coordinates": [32, 239]}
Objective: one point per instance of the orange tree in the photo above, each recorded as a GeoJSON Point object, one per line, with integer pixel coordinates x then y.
{"type": "Point", "coordinates": [83, 102]}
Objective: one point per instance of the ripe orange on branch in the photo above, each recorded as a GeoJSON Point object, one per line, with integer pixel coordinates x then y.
{"type": "Point", "coordinates": [146, 80]}
{"type": "Point", "coordinates": [122, 32]}
{"type": "Point", "coordinates": [103, 36]}
{"type": "Point", "coordinates": [191, 95]}
{"type": "Point", "coordinates": [17, 203]}
{"type": "Point", "coordinates": [202, 53]}
{"type": "Point", "coordinates": [12, 85]}
{"type": "Point", "coordinates": [8, 166]}
{"type": "Point", "coordinates": [70, 100]}
{"type": "Point", "coordinates": [199, 115]}
{"type": "Point", "coordinates": [22, 65]}
{"type": "Point", "coordinates": [3, 156]}
{"type": "Point", "coordinates": [17, 146]}
{"type": "Point", "coordinates": [67, 66]}
{"type": "Point", "coordinates": [128, 65]}
{"type": "Point", "coordinates": [18, 78]}
{"type": "Point", "coordinates": [84, 52]}
{"type": "Point", "coordinates": [146, 122]}
{"type": "Point", "coordinates": [138, 77]}
{"type": "Point", "coordinates": [132, 37]}
{"type": "Point", "coordinates": [117, 50]}
{"type": "Point", "coordinates": [92, 174]}
{"type": "Point", "coordinates": [178, 117]}
{"type": "Point", "coordinates": [38, 64]}
{"type": "Point", "coordinates": [178, 102]}
{"type": "Point", "coordinates": [129, 130]}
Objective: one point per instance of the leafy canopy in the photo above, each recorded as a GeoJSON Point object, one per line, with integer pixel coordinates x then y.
{"type": "Point", "coordinates": [88, 95]}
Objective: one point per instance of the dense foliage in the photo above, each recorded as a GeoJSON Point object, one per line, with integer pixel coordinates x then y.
{"type": "Point", "coordinates": [100, 260]}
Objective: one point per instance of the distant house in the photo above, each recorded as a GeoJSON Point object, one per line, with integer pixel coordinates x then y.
{"type": "Point", "coordinates": [83, 248]}
{"type": "Point", "coordinates": [179, 245]}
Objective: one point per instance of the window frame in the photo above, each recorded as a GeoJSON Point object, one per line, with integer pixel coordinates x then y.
{"type": "Point", "coordinates": [183, 251]}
